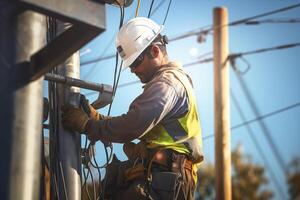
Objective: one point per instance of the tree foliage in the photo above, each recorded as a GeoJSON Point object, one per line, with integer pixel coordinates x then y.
{"type": "Point", "coordinates": [293, 179]}
{"type": "Point", "coordinates": [248, 179]}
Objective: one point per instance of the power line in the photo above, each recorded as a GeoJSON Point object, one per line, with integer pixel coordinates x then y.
{"type": "Point", "coordinates": [203, 30]}
{"type": "Point", "coordinates": [167, 12]}
{"type": "Point", "coordinates": [231, 58]}
{"type": "Point", "coordinates": [102, 57]}
{"type": "Point", "coordinates": [261, 123]}
{"type": "Point", "coordinates": [234, 23]}
{"type": "Point", "coordinates": [285, 46]}
{"type": "Point", "coordinates": [185, 65]}
{"type": "Point", "coordinates": [258, 118]}
{"type": "Point", "coordinates": [267, 115]}
{"type": "Point", "coordinates": [256, 143]}
{"type": "Point", "coordinates": [151, 5]}
{"type": "Point", "coordinates": [157, 7]}
{"type": "Point", "coordinates": [274, 21]}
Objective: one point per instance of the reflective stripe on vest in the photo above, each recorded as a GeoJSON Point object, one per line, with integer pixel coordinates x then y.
{"type": "Point", "coordinates": [182, 135]}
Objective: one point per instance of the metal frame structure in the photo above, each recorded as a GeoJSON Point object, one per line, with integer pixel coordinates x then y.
{"type": "Point", "coordinates": [24, 59]}
{"type": "Point", "coordinates": [87, 19]}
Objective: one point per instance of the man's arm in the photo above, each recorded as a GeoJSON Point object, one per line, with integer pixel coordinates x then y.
{"type": "Point", "coordinates": [146, 111]}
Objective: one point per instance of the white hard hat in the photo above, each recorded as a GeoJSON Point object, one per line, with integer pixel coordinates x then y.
{"type": "Point", "coordinates": [134, 37]}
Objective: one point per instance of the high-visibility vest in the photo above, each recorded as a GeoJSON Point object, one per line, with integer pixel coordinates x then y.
{"type": "Point", "coordinates": [182, 135]}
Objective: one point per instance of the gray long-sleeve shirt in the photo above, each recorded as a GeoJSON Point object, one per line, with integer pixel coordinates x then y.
{"type": "Point", "coordinates": [164, 98]}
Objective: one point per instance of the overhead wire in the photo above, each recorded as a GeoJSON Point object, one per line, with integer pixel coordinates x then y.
{"type": "Point", "coordinates": [259, 118]}
{"type": "Point", "coordinates": [203, 30]}
{"type": "Point", "coordinates": [266, 115]}
{"type": "Point", "coordinates": [185, 65]}
{"type": "Point", "coordinates": [273, 21]}
{"type": "Point", "coordinates": [157, 7]}
{"type": "Point", "coordinates": [285, 46]}
{"type": "Point", "coordinates": [231, 57]}
{"type": "Point", "coordinates": [149, 13]}
{"type": "Point", "coordinates": [167, 12]}
{"type": "Point", "coordinates": [257, 144]}
{"type": "Point", "coordinates": [209, 28]}
{"type": "Point", "coordinates": [261, 123]}
{"type": "Point", "coordinates": [102, 57]}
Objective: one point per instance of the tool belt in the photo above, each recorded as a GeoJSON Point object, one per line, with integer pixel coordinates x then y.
{"type": "Point", "coordinates": [172, 160]}
{"type": "Point", "coordinates": [159, 160]}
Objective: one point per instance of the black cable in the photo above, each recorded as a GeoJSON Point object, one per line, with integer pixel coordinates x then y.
{"type": "Point", "coordinates": [209, 28]}
{"type": "Point", "coordinates": [258, 118]}
{"type": "Point", "coordinates": [97, 166]}
{"type": "Point", "coordinates": [93, 183]}
{"type": "Point", "coordinates": [105, 180]}
{"type": "Point", "coordinates": [204, 29]}
{"type": "Point", "coordinates": [264, 14]}
{"type": "Point", "coordinates": [185, 65]}
{"type": "Point", "coordinates": [256, 143]}
{"type": "Point", "coordinates": [157, 7]}
{"type": "Point", "coordinates": [167, 12]}
{"type": "Point", "coordinates": [266, 115]}
{"type": "Point", "coordinates": [277, 21]}
{"type": "Point", "coordinates": [116, 77]}
{"type": "Point", "coordinates": [285, 46]}
{"type": "Point", "coordinates": [264, 128]}
{"type": "Point", "coordinates": [231, 57]}
{"type": "Point", "coordinates": [53, 120]}
{"type": "Point", "coordinates": [101, 57]}
{"type": "Point", "coordinates": [85, 185]}
{"type": "Point", "coordinates": [87, 160]}
{"type": "Point", "coordinates": [149, 13]}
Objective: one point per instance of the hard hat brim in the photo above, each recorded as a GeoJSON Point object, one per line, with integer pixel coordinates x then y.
{"type": "Point", "coordinates": [133, 57]}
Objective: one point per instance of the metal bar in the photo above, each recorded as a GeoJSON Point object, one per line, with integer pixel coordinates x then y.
{"type": "Point", "coordinates": [20, 109]}
{"type": "Point", "coordinates": [66, 44]}
{"type": "Point", "coordinates": [78, 83]}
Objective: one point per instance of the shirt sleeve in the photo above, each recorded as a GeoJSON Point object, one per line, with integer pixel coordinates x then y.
{"type": "Point", "coordinates": [145, 112]}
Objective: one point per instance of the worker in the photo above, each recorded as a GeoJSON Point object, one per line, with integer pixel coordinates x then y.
{"type": "Point", "coordinates": [163, 118]}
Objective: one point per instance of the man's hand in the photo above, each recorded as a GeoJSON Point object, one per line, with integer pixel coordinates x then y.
{"type": "Point", "coordinates": [89, 109]}
{"type": "Point", "coordinates": [74, 119]}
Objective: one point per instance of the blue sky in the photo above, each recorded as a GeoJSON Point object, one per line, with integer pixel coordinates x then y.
{"type": "Point", "coordinates": [273, 77]}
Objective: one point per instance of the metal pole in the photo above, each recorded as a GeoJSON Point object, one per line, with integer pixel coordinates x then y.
{"type": "Point", "coordinates": [22, 33]}
{"type": "Point", "coordinates": [222, 109]}
{"type": "Point", "coordinates": [69, 142]}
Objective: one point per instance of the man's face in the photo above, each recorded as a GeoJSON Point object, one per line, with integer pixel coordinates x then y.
{"type": "Point", "coordinates": [144, 69]}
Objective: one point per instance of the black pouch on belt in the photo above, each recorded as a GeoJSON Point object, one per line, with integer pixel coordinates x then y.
{"type": "Point", "coordinates": [165, 185]}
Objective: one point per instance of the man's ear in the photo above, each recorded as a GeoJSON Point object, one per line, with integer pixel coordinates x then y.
{"type": "Point", "coordinates": [154, 52]}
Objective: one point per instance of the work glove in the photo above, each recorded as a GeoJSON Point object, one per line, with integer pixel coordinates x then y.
{"type": "Point", "coordinates": [74, 119]}
{"type": "Point", "coordinates": [90, 110]}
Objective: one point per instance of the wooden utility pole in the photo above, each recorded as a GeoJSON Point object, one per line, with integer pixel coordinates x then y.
{"type": "Point", "coordinates": [222, 109]}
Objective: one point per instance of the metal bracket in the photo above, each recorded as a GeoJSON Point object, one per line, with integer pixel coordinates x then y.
{"type": "Point", "coordinates": [87, 19]}
{"type": "Point", "coordinates": [105, 91]}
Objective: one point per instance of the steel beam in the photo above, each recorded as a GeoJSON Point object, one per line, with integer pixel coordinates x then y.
{"type": "Point", "coordinates": [87, 19]}
{"type": "Point", "coordinates": [21, 109]}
